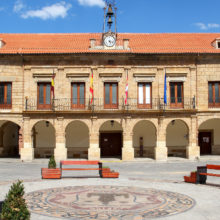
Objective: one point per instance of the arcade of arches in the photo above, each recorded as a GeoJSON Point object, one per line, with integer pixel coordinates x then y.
{"type": "Point", "coordinates": [117, 138]}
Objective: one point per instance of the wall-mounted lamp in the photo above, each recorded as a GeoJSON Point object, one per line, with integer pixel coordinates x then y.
{"type": "Point", "coordinates": [173, 122]}
{"type": "Point", "coordinates": [186, 136]}
{"type": "Point", "coordinates": [47, 123]}
{"type": "Point", "coordinates": [112, 123]}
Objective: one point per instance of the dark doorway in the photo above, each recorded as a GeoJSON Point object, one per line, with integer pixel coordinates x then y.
{"type": "Point", "coordinates": [205, 143]}
{"type": "Point", "coordinates": [110, 144]}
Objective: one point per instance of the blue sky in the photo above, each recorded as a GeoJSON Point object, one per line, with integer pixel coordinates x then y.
{"type": "Point", "coordinates": [134, 16]}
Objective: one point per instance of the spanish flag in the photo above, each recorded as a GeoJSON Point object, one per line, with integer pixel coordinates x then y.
{"type": "Point", "coordinates": [52, 85]}
{"type": "Point", "coordinates": [91, 88]}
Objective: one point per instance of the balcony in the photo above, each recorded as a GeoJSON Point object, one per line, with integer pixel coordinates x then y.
{"type": "Point", "coordinates": [98, 105]}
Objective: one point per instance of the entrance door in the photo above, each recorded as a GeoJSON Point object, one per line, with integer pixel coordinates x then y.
{"type": "Point", "coordinates": [110, 144]}
{"type": "Point", "coordinates": [205, 142]}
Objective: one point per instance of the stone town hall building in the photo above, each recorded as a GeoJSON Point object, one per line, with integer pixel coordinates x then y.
{"type": "Point", "coordinates": [36, 124]}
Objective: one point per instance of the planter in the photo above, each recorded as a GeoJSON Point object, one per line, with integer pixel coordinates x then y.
{"type": "Point", "coordinates": [110, 175]}
{"type": "Point", "coordinates": [189, 179]}
{"type": "Point", "coordinates": [106, 170]}
{"type": "Point", "coordinates": [51, 173]}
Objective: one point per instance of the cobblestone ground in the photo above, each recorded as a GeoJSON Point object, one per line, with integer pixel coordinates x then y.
{"type": "Point", "coordinates": [145, 190]}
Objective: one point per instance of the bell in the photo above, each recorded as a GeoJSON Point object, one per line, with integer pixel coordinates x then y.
{"type": "Point", "coordinates": [110, 12]}
{"type": "Point", "coordinates": [110, 21]}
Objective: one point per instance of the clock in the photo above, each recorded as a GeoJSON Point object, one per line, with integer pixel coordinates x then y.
{"type": "Point", "coordinates": [109, 41]}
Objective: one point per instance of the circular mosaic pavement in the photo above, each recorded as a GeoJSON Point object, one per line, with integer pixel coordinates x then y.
{"type": "Point", "coordinates": [107, 202]}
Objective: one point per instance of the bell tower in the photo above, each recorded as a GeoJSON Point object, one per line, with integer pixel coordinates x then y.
{"type": "Point", "coordinates": [109, 35]}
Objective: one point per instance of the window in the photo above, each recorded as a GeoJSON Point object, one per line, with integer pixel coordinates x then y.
{"type": "Point", "coordinates": [5, 95]}
{"type": "Point", "coordinates": [176, 95]}
{"type": "Point", "coordinates": [44, 95]}
{"type": "Point", "coordinates": [144, 95]}
{"type": "Point", "coordinates": [111, 95]}
{"type": "Point", "coordinates": [214, 94]}
{"type": "Point", "coordinates": [78, 95]}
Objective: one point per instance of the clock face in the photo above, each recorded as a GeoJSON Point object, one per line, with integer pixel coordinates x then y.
{"type": "Point", "coordinates": [109, 41]}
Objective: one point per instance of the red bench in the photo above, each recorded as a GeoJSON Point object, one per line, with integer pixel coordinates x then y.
{"type": "Point", "coordinates": [99, 164]}
{"type": "Point", "coordinates": [202, 173]}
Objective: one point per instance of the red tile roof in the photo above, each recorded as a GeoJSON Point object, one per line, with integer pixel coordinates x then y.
{"type": "Point", "coordinates": [80, 43]}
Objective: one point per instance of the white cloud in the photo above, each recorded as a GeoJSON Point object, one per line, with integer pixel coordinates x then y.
{"type": "Point", "coordinates": [203, 26]}
{"type": "Point", "coordinates": [49, 12]}
{"type": "Point", "coordinates": [18, 6]}
{"type": "Point", "coordinates": [99, 3]}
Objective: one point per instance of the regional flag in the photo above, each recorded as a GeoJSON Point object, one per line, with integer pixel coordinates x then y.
{"type": "Point", "coordinates": [126, 91]}
{"type": "Point", "coordinates": [91, 88]}
{"type": "Point", "coordinates": [165, 88]}
{"type": "Point", "coordinates": [52, 85]}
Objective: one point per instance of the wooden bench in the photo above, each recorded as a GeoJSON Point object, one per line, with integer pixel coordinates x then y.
{"type": "Point", "coordinates": [70, 163]}
{"type": "Point", "coordinates": [202, 173]}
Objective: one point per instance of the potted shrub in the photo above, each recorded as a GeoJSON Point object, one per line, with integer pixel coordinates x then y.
{"type": "Point", "coordinates": [51, 172]}
{"type": "Point", "coordinates": [14, 206]}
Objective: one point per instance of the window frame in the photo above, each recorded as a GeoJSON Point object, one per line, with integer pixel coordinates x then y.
{"type": "Point", "coordinates": [213, 104]}
{"type": "Point", "coordinates": [5, 105]}
{"type": "Point", "coordinates": [44, 105]}
{"type": "Point", "coordinates": [144, 105]}
{"type": "Point", "coordinates": [78, 105]}
{"type": "Point", "coordinates": [110, 105]}
{"type": "Point", "coordinates": [177, 104]}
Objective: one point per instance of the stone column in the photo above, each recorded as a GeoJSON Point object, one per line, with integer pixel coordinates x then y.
{"type": "Point", "coordinates": [193, 150]}
{"type": "Point", "coordinates": [1, 141]}
{"type": "Point", "coordinates": [94, 150]}
{"type": "Point", "coordinates": [60, 151]}
{"type": "Point", "coordinates": [27, 152]}
{"type": "Point", "coordinates": [160, 151]}
{"type": "Point", "coordinates": [127, 150]}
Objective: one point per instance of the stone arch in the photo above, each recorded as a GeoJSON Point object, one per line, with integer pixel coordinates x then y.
{"type": "Point", "coordinates": [209, 139]}
{"type": "Point", "coordinates": [144, 138]}
{"type": "Point", "coordinates": [177, 137]}
{"type": "Point", "coordinates": [77, 139]}
{"type": "Point", "coordinates": [43, 139]}
{"type": "Point", "coordinates": [111, 138]}
{"type": "Point", "coordinates": [10, 139]}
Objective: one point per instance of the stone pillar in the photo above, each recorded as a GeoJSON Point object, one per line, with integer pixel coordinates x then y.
{"type": "Point", "coordinates": [193, 150]}
{"type": "Point", "coordinates": [160, 151]}
{"type": "Point", "coordinates": [60, 151]}
{"type": "Point", "coordinates": [27, 152]}
{"type": "Point", "coordinates": [94, 150]}
{"type": "Point", "coordinates": [1, 141]}
{"type": "Point", "coordinates": [127, 150]}
{"type": "Point", "coordinates": [20, 140]}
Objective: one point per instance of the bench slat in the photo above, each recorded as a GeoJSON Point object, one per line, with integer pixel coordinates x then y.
{"type": "Point", "coordinates": [209, 174]}
{"type": "Point", "coordinates": [79, 162]}
{"type": "Point", "coordinates": [81, 169]}
{"type": "Point", "coordinates": [213, 167]}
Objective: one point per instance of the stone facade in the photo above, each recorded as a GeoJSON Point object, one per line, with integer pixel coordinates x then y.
{"type": "Point", "coordinates": [166, 131]}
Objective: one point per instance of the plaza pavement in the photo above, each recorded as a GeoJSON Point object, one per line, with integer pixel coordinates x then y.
{"type": "Point", "coordinates": [143, 173]}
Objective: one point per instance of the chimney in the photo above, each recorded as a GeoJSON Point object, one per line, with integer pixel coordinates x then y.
{"type": "Point", "coordinates": [92, 43]}
{"type": "Point", "coordinates": [1, 43]}
{"type": "Point", "coordinates": [126, 44]}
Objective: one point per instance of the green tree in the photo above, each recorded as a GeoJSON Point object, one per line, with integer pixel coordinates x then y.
{"type": "Point", "coordinates": [14, 206]}
{"type": "Point", "coordinates": [52, 163]}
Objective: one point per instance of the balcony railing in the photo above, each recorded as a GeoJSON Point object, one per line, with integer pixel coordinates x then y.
{"type": "Point", "coordinates": [98, 104]}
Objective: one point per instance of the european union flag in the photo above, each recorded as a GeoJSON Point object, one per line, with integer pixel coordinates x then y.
{"type": "Point", "coordinates": [165, 88]}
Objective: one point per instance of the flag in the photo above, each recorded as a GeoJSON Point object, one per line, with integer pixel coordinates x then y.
{"type": "Point", "coordinates": [165, 88]}
{"type": "Point", "coordinates": [126, 91]}
{"type": "Point", "coordinates": [91, 88]}
{"type": "Point", "coordinates": [52, 85]}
